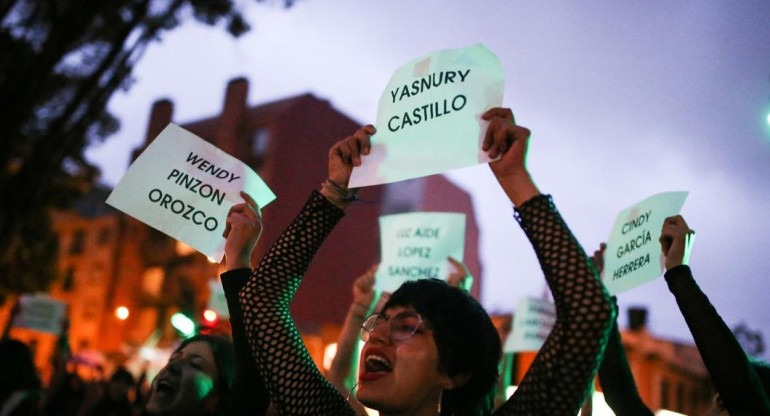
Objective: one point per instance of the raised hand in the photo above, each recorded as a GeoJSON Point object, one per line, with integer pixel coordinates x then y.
{"type": "Point", "coordinates": [460, 277]}
{"type": "Point", "coordinates": [242, 231]}
{"type": "Point", "coordinates": [676, 241]}
{"type": "Point", "coordinates": [347, 153]}
{"type": "Point", "coordinates": [598, 258]}
{"type": "Point", "coordinates": [504, 137]}
{"type": "Point", "coordinates": [363, 288]}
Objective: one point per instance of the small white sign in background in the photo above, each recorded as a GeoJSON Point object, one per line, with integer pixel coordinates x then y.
{"type": "Point", "coordinates": [533, 320]}
{"type": "Point", "coordinates": [41, 313]}
{"type": "Point", "coordinates": [416, 246]}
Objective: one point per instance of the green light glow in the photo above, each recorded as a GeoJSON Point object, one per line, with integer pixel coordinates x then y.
{"type": "Point", "coordinates": [204, 384]}
{"type": "Point", "coordinates": [183, 324]}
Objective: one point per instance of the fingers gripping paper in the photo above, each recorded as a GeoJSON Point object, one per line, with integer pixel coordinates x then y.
{"type": "Point", "coordinates": [416, 246]}
{"type": "Point", "coordinates": [184, 186]}
{"type": "Point", "coordinates": [633, 256]}
{"type": "Point", "coordinates": [429, 116]}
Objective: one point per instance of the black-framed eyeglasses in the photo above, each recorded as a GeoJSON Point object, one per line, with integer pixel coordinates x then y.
{"type": "Point", "coordinates": [402, 325]}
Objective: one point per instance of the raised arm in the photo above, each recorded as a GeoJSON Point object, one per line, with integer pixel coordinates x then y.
{"type": "Point", "coordinates": [295, 385]}
{"type": "Point", "coordinates": [561, 375]}
{"type": "Point", "coordinates": [248, 395]}
{"type": "Point", "coordinates": [617, 381]}
{"type": "Point", "coordinates": [739, 388]}
{"type": "Point", "coordinates": [615, 376]}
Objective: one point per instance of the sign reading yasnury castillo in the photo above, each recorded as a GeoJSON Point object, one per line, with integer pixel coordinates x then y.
{"type": "Point", "coordinates": [429, 116]}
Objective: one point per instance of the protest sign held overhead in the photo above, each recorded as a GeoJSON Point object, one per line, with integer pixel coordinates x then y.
{"type": "Point", "coordinates": [184, 186]}
{"type": "Point", "coordinates": [41, 313]}
{"type": "Point", "coordinates": [633, 256]}
{"type": "Point", "coordinates": [416, 246]}
{"type": "Point", "coordinates": [429, 116]}
{"type": "Point", "coordinates": [533, 320]}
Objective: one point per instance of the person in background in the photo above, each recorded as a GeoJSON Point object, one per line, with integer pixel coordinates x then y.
{"type": "Point", "coordinates": [20, 385]}
{"type": "Point", "coordinates": [208, 375]}
{"type": "Point", "coordinates": [742, 384]}
{"type": "Point", "coordinates": [114, 400]}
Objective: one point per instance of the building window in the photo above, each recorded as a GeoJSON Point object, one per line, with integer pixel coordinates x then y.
{"type": "Point", "coordinates": [664, 389]}
{"type": "Point", "coordinates": [680, 397]}
{"type": "Point", "coordinates": [78, 242]}
{"type": "Point", "coordinates": [69, 280]}
{"type": "Point", "coordinates": [695, 399]}
{"type": "Point", "coordinates": [260, 140]}
{"type": "Point", "coordinates": [104, 236]}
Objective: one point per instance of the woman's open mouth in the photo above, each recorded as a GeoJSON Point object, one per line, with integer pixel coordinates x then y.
{"type": "Point", "coordinates": [375, 367]}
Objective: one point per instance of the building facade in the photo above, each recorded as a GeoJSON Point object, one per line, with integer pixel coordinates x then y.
{"type": "Point", "coordinates": [109, 260]}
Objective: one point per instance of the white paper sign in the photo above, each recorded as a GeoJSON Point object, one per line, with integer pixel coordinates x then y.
{"type": "Point", "coordinates": [533, 320]}
{"type": "Point", "coordinates": [429, 116]}
{"type": "Point", "coordinates": [41, 313]}
{"type": "Point", "coordinates": [184, 186]}
{"type": "Point", "coordinates": [416, 246]}
{"type": "Point", "coordinates": [217, 299]}
{"type": "Point", "coordinates": [633, 256]}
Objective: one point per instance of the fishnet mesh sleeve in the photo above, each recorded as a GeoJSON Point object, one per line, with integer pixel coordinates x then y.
{"type": "Point", "coordinates": [295, 385]}
{"type": "Point", "coordinates": [559, 378]}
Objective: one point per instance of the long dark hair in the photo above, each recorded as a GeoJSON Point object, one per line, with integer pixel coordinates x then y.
{"type": "Point", "coordinates": [224, 358]}
{"type": "Point", "coordinates": [468, 343]}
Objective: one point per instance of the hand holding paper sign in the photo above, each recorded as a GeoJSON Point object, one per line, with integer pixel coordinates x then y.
{"type": "Point", "coordinates": [598, 258]}
{"type": "Point", "coordinates": [363, 289]}
{"type": "Point", "coordinates": [184, 186]}
{"type": "Point", "coordinates": [504, 137]}
{"type": "Point", "coordinates": [242, 231]}
{"type": "Point", "coordinates": [676, 241]}
{"type": "Point", "coordinates": [343, 156]}
{"type": "Point", "coordinates": [459, 276]}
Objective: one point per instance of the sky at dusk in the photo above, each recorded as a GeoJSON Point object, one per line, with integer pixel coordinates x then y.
{"type": "Point", "coordinates": [625, 99]}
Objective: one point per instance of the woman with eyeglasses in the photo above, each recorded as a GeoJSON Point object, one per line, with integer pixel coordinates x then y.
{"type": "Point", "coordinates": [432, 349]}
{"type": "Point", "coordinates": [343, 372]}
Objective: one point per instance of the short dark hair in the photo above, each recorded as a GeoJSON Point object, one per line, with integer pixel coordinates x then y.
{"type": "Point", "coordinates": [224, 358]}
{"type": "Point", "coordinates": [467, 342]}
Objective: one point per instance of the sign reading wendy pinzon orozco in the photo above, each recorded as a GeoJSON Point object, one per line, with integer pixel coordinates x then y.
{"type": "Point", "coordinates": [429, 116]}
{"type": "Point", "coordinates": [184, 186]}
{"type": "Point", "coordinates": [633, 256]}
